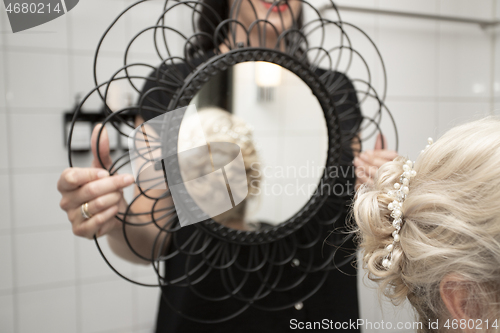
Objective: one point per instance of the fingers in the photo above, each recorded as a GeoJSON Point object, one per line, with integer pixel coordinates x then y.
{"type": "Point", "coordinates": [368, 163]}
{"type": "Point", "coordinates": [97, 189]}
{"type": "Point", "coordinates": [100, 204]}
{"type": "Point", "coordinates": [378, 157]}
{"type": "Point", "coordinates": [381, 142]}
{"type": "Point", "coordinates": [73, 178]}
{"type": "Point", "coordinates": [364, 171]}
{"type": "Point", "coordinates": [373, 160]}
{"type": "Point", "coordinates": [89, 228]}
{"type": "Point", "coordinates": [103, 147]}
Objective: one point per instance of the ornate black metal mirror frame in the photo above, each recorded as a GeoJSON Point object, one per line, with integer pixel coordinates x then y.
{"type": "Point", "coordinates": [271, 252]}
{"type": "Point", "coordinates": [201, 75]}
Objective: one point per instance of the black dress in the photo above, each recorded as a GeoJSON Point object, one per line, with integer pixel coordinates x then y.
{"type": "Point", "coordinates": [336, 300]}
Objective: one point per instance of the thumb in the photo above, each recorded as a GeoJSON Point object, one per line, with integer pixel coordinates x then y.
{"type": "Point", "coordinates": [381, 142]}
{"type": "Point", "coordinates": [103, 148]}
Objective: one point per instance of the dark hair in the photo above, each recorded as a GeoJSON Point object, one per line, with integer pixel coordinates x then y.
{"type": "Point", "coordinates": [212, 13]}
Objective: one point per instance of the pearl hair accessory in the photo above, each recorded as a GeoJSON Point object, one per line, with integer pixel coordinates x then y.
{"type": "Point", "coordinates": [399, 194]}
{"type": "Point", "coordinates": [241, 133]}
{"type": "Point", "coordinates": [429, 142]}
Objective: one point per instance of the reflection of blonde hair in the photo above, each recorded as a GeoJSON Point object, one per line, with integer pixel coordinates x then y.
{"type": "Point", "coordinates": [221, 126]}
{"type": "Point", "coordinates": [451, 224]}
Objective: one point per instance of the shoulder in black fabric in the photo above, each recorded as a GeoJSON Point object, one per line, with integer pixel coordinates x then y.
{"type": "Point", "coordinates": [162, 84]}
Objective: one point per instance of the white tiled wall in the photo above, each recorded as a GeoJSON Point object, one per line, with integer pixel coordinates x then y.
{"type": "Point", "coordinates": [439, 74]}
{"type": "Point", "coordinates": [5, 199]}
{"type": "Point", "coordinates": [113, 312]}
{"type": "Point", "coordinates": [6, 281]}
{"type": "Point", "coordinates": [496, 53]}
{"type": "Point", "coordinates": [7, 312]}
{"type": "Point", "coordinates": [37, 309]}
{"type": "Point", "coordinates": [287, 146]}
{"type": "Point", "coordinates": [51, 281]}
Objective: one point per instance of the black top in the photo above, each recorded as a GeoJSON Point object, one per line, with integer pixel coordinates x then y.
{"type": "Point", "coordinates": [335, 301]}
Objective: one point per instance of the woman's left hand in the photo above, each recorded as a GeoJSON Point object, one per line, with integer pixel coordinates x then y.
{"type": "Point", "coordinates": [368, 162]}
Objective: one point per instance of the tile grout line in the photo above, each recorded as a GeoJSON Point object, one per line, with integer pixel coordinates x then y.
{"type": "Point", "coordinates": [27, 230]}
{"type": "Point", "coordinates": [76, 248]}
{"type": "Point", "coordinates": [75, 51]}
{"type": "Point", "coordinates": [13, 290]}
{"type": "Point", "coordinates": [135, 303]}
{"type": "Point", "coordinates": [134, 289]}
{"type": "Point", "coordinates": [493, 45]}
{"type": "Point", "coordinates": [15, 305]}
{"type": "Point", "coordinates": [376, 37]}
{"type": "Point", "coordinates": [492, 74]}
{"type": "Point", "coordinates": [436, 69]}
{"type": "Point", "coordinates": [62, 284]}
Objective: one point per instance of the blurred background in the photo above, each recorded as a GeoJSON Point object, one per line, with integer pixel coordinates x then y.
{"type": "Point", "coordinates": [439, 74]}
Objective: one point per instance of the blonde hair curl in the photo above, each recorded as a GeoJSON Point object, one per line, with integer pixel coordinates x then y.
{"type": "Point", "coordinates": [451, 223]}
{"type": "Point", "coordinates": [212, 121]}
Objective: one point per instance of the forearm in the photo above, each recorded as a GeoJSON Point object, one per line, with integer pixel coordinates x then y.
{"type": "Point", "coordinates": [140, 238]}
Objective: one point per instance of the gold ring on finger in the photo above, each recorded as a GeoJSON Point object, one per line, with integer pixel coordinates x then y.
{"type": "Point", "coordinates": [85, 211]}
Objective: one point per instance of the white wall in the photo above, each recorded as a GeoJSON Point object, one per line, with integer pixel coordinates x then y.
{"type": "Point", "coordinates": [291, 152]}
{"type": "Point", "coordinates": [50, 280]}
{"type": "Point", "coordinates": [438, 74]}
{"type": "Point", "coordinates": [496, 65]}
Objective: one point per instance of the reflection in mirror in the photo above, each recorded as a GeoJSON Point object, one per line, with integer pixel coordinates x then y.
{"type": "Point", "coordinates": [279, 125]}
{"type": "Point", "coordinates": [219, 165]}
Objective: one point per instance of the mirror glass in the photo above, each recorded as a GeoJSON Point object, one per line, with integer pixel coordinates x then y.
{"type": "Point", "coordinates": [278, 124]}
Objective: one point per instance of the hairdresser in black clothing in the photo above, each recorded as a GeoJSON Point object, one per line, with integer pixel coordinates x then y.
{"type": "Point", "coordinates": [93, 191]}
{"type": "Point", "coordinates": [335, 301]}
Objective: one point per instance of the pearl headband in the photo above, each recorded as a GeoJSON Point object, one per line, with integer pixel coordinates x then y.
{"type": "Point", "coordinates": [399, 194]}
{"type": "Point", "coordinates": [241, 135]}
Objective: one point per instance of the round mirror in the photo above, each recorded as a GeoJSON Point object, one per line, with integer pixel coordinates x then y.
{"type": "Point", "coordinates": [279, 126]}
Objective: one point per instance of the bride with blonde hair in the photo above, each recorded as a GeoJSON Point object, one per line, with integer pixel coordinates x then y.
{"type": "Point", "coordinates": [213, 126]}
{"type": "Point", "coordinates": [429, 231]}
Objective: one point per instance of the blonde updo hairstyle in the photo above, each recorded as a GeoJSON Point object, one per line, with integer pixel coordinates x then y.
{"type": "Point", "coordinates": [451, 224]}
{"type": "Point", "coordinates": [219, 125]}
